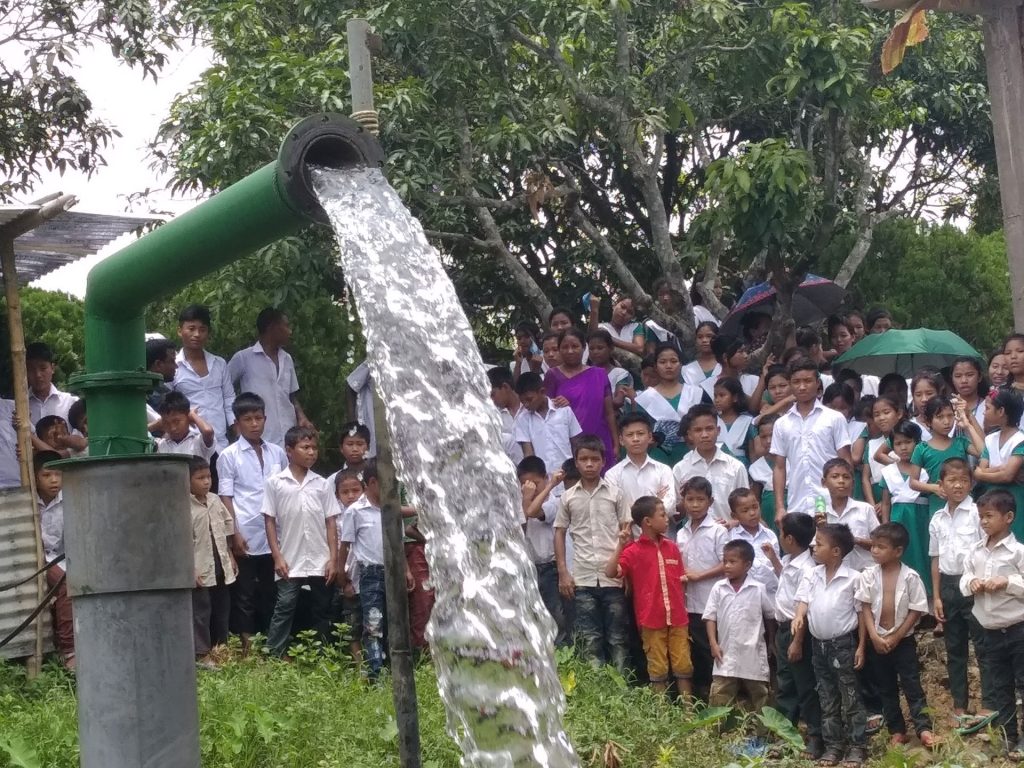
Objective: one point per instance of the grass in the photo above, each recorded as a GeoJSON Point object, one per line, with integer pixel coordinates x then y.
{"type": "Point", "coordinates": [318, 713]}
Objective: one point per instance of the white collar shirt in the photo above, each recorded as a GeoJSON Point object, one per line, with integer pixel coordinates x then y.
{"type": "Point", "coordinates": [10, 469]}
{"type": "Point", "coordinates": [953, 534]}
{"type": "Point", "coordinates": [51, 527]}
{"type": "Point", "coordinates": [361, 528]}
{"type": "Point", "coordinates": [860, 518]}
{"type": "Point", "coordinates": [725, 474]}
{"type": "Point", "coordinates": [1005, 607]}
{"type": "Point", "coordinates": [302, 509]}
{"type": "Point", "coordinates": [794, 569]}
{"type": "Point", "coordinates": [807, 443]}
{"type": "Point", "coordinates": [739, 615]}
{"type": "Point", "coordinates": [760, 471]}
{"type": "Point", "coordinates": [550, 434]}
{"type": "Point", "coordinates": [909, 595]}
{"type": "Point", "coordinates": [253, 370]}
{"type": "Point", "coordinates": [762, 569]}
{"type": "Point", "coordinates": [191, 445]}
{"type": "Point", "coordinates": [701, 547]}
{"type": "Point", "coordinates": [540, 535]}
{"type": "Point", "coordinates": [56, 403]}
{"type": "Point", "coordinates": [508, 436]}
{"type": "Point", "coordinates": [212, 394]}
{"type": "Point", "coordinates": [242, 479]}
{"type": "Point", "coordinates": [593, 520]}
{"type": "Point", "coordinates": [831, 606]}
{"type": "Point", "coordinates": [645, 479]}
{"type": "Point", "coordinates": [211, 526]}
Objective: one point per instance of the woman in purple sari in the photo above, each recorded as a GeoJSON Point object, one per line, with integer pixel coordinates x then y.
{"type": "Point", "coordinates": [586, 391]}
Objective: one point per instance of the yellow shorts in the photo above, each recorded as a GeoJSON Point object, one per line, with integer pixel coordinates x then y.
{"type": "Point", "coordinates": [667, 648]}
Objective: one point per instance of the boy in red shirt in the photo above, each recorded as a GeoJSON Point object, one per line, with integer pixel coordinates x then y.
{"type": "Point", "coordinates": [654, 567]}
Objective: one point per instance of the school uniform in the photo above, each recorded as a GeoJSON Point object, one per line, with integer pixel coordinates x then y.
{"type": "Point", "coordinates": [550, 434]}
{"type": "Point", "coordinates": [694, 375]}
{"type": "Point", "coordinates": [952, 535]}
{"type": "Point", "coordinates": [795, 694]}
{"type": "Point", "coordinates": [748, 383]}
{"type": "Point", "coordinates": [253, 370]}
{"type": "Point", "coordinates": [807, 443]}
{"type": "Point", "coordinates": [1001, 614]}
{"type": "Point", "coordinates": [508, 436]}
{"type": "Point", "coordinates": [361, 527]}
{"type": "Point", "coordinates": [901, 663]}
{"type": "Point", "coordinates": [760, 472]}
{"type": "Point", "coordinates": [212, 395]}
{"type": "Point", "coordinates": [51, 530]}
{"type": "Point", "coordinates": [242, 478]}
{"type": "Point", "coordinates": [540, 543]}
{"type": "Point", "coordinates": [762, 569]}
{"type": "Point", "coordinates": [192, 444]}
{"type": "Point", "coordinates": [910, 509]}
{"type": "Point", "coordinates": [725, 474]}
{"type": "Point", "coordinates": [860, 518]}
{"type": "Point", "coordinates": [56, 403]}
{"type": "Point", "coordinates": [734, 436]}
{"type": "Point", "coordinates": [998, 453]}
{"type": "Point", "coordinates": [739, 615]}
{"type": "Point", "coordinates": [215, 572]}
{"type": "Point", "coordinates": [301, 510]}
{"type": "Point", "coordinates": [593, 519]}
{"type": "Point", "coordinates": [832, 622]}
{"type": "Point", "coordinates": [701, 547]}
{"type": "Point", "coordinates": [645, 479]}
{"type": "Point", "coordinates": [875, 467]}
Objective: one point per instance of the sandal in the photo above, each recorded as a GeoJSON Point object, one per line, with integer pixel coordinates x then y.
{"type": "Point", "coordinates": [855, 757]}
{"type": "Point", "coordinates": [973, 723]}
{"type": "Point", "coordinates": [873, 724]}
{"type": "Point", "coordinates": [830, 757]}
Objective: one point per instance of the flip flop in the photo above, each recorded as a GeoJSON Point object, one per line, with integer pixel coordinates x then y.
{"type": "Point", "coordinates": [974, 723]}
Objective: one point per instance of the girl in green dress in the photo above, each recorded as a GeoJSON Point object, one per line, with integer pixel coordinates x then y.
{"type": "Point", "coordinates": [760, 471]}
{"type": "Point", "coordinates": [901, 504]}
{"type": "Point", "coordinates": [1003, 458]}
{"type": "Point", "coordinates": [940, 415]}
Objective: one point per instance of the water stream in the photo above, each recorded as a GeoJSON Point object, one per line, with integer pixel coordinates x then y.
{"type": "Point", "coordinates": [492, 639]}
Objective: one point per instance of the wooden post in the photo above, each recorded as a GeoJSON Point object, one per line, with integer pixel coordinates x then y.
{"type": "Point", "coordinates": [1005, 63]}
{"type": "Point", "coordinates": [19, 375]}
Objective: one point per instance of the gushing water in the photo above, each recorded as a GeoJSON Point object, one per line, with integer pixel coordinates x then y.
{"type": "Point", "coordinates": [491, 637]}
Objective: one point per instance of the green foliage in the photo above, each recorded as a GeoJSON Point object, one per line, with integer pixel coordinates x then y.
{"type": "Point", "coordinates": [55, 318]}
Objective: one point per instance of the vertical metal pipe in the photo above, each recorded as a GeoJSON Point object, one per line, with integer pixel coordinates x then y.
{"type": "Point", "coordinates": [360, 67]}
{"type": "Point", "coordinates": [130, 585]}
{"type": "Point", "coordinates": [403, 678]}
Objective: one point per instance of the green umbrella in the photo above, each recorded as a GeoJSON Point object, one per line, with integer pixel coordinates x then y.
{"type": "Point", "coordinates": [904, 352]}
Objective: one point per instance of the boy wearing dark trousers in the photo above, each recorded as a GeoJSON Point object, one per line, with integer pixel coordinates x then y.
{"type": "Point", "coordinates": [825, 605]}
{"type": "Point", "coordinates": [795, 695]}
{"type": "Point", "coordinates": [953, 533]}
{"type": "Point", "coordinates": [994, 577]}
{"type": "Point", "coordinates": [892, 598]}
{"type": "Point", "coordinates": [50, 504]}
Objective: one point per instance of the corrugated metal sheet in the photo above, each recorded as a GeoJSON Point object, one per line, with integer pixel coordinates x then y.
{"type": "Point", "coordinates": [18, 560]}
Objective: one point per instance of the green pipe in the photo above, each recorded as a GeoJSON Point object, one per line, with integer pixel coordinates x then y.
{"type": "Point", "coordinates": [271, 203]}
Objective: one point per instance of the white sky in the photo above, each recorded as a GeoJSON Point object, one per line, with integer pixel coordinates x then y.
{"type": "Point", "coordinates": [135, 108]}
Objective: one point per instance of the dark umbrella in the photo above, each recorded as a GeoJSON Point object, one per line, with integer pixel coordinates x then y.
{"type": "Point", "coordinates": [814, 299]}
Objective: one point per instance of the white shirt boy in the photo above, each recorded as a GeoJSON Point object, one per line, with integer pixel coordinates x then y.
{"type": "Point", "coordinates": [252, 370]}
{"type": "Point", "coordinates": [794, 570]}
{"type": "Point", "coordinates": [361, 527]}
{"type": "Point", "coordinates": [860, 518]}
{"type": "Point", "coordinates": [762, 569]}
{"type": "Point", "coordinates": [740, 615]}
{"type": "Point", "coordinates": [909, 595]}
{"type": "Point", "coordinates": [190, 445]}
{"type": "Point", "coordinates": [56, 403]}
{"type": "Point", "coordinates": [508, 436]}
{"type": "Point", "coordinates": [1005, 607]}
{"type": "Point", "coordinates": [645, 479]}
{"type": "Point", "coordinates": [701, 548]}
{"type": "Point", "coordinates": [241, 478]}
{"type": "Point", "coordinates": [831, 606]}
{"type": "Point", "coordinates": [540, 535]}
{"type": "Point", "coordinates": [725, 474]}
{"type": "Point", "coordinates": [593, 520]}
{"type": "Point", "coordinates": [51, 528]}
{"type": "Point", "coordinates": [550, 434]}
{"type": "Point", "coordinates": [952, 535]}
{"type": "Point", "coordinates": [807, 443]}
{"type": "Point", "coordinates": [212, 395]}
{"type": "Point", "coordinates": [301, 509]}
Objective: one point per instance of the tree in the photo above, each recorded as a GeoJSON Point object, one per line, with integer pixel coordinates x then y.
{"type": "Point", "coordinates": [57, 319]}
{"type": "Point", "coordinates": [46, 119]}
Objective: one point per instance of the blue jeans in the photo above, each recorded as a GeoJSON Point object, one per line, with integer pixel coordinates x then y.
{"type": "Point", "coordinates": [280, 632]}
{"type": "Point", "coordinates": [602, 624]}
{"type": "Point", "coordinates": [371, 596]}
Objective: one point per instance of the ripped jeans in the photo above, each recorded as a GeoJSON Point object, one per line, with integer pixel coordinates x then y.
{"type": "Point", "coordinates": [371, 596]}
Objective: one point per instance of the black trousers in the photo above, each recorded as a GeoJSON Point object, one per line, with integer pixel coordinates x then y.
{"type": "Point", "coordinates": [700, 654]}
{"type": "Point", "coordinates": [253, 595]}
{"type": "Point", "coordinates": [893, 671]}
{"type": "Point", "coordinates": [1003, 664]}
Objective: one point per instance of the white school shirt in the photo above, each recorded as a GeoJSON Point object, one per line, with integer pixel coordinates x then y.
{"type": "Point", "coordinates": [831, 607]}
{"type": "Point", "coordinates": [351, 564]}
{"type": "Point", "coordinates": [909, 595]}
{"type": "Point", "coordinates": [860, 518]}
{"type": "Point", "coordinates": [794, 570]}
{"type": "Point", "coordinates": [748, 383]}
{"type": "Point", "coordinates": [241, 479]}
{"type": "Point", "coordinates": [362, 528]}
{"type": "Point", "coordinates": [644, 479]}
{"type": "Point", "coordinates": [359, 382]}
{"type": "Point", "coordinates": [898, 486]}
{"type": "Point", "coordinates": [252, 370]}
{"type": "Point", "coordinates": [629, 330]}
{"type": "Point", "coordinates": [740, 615]}
{"type": "Point", "coordinates": [807, 443]}
{"type": "Point", "coordinates": [735, 436]}
{"type": "Point", "coordinates": [694, 375]}
{"type": "Point", "coordinates": [301, 509]}
{"type": "Point", "coordinates": [51, 527]}
{"type": "Point", "coordinates": [56, 403]}
{"type": "Point", "coordinates": [762, 569]}
{"type": "Point", "coordinates": [10, 469]}
{"type": "Point", "coordinates": [212, 394]}
{"type": "Point", "coordinates": [952, 535]}
{"type": "Point", "coordinates": [508, 435]}
{"type": "Point", "coordinates": [701, 548]}
{"type": "Point", "coordinates": [725, 474]}
{"type": "Point", "coordinates": [550, 434]}
{"type": "Point", "coordinates": [540, 535]}
{"type": "Point", "coordinates": [191, 445]}
{"type": "Point", "coordinates": [876, 467]}
{"type": "Point", "coordinates": [1002, 609]}
{"type": "Point", "coordinates": [998, 454]}
{"type": "Point", "coordinates": [854, 429]}
{"type": "Point", "coordinates": [761, 472]}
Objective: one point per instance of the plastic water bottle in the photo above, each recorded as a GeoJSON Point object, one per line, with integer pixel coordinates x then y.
{"type": "Point", "coordinates": [819, 510]}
